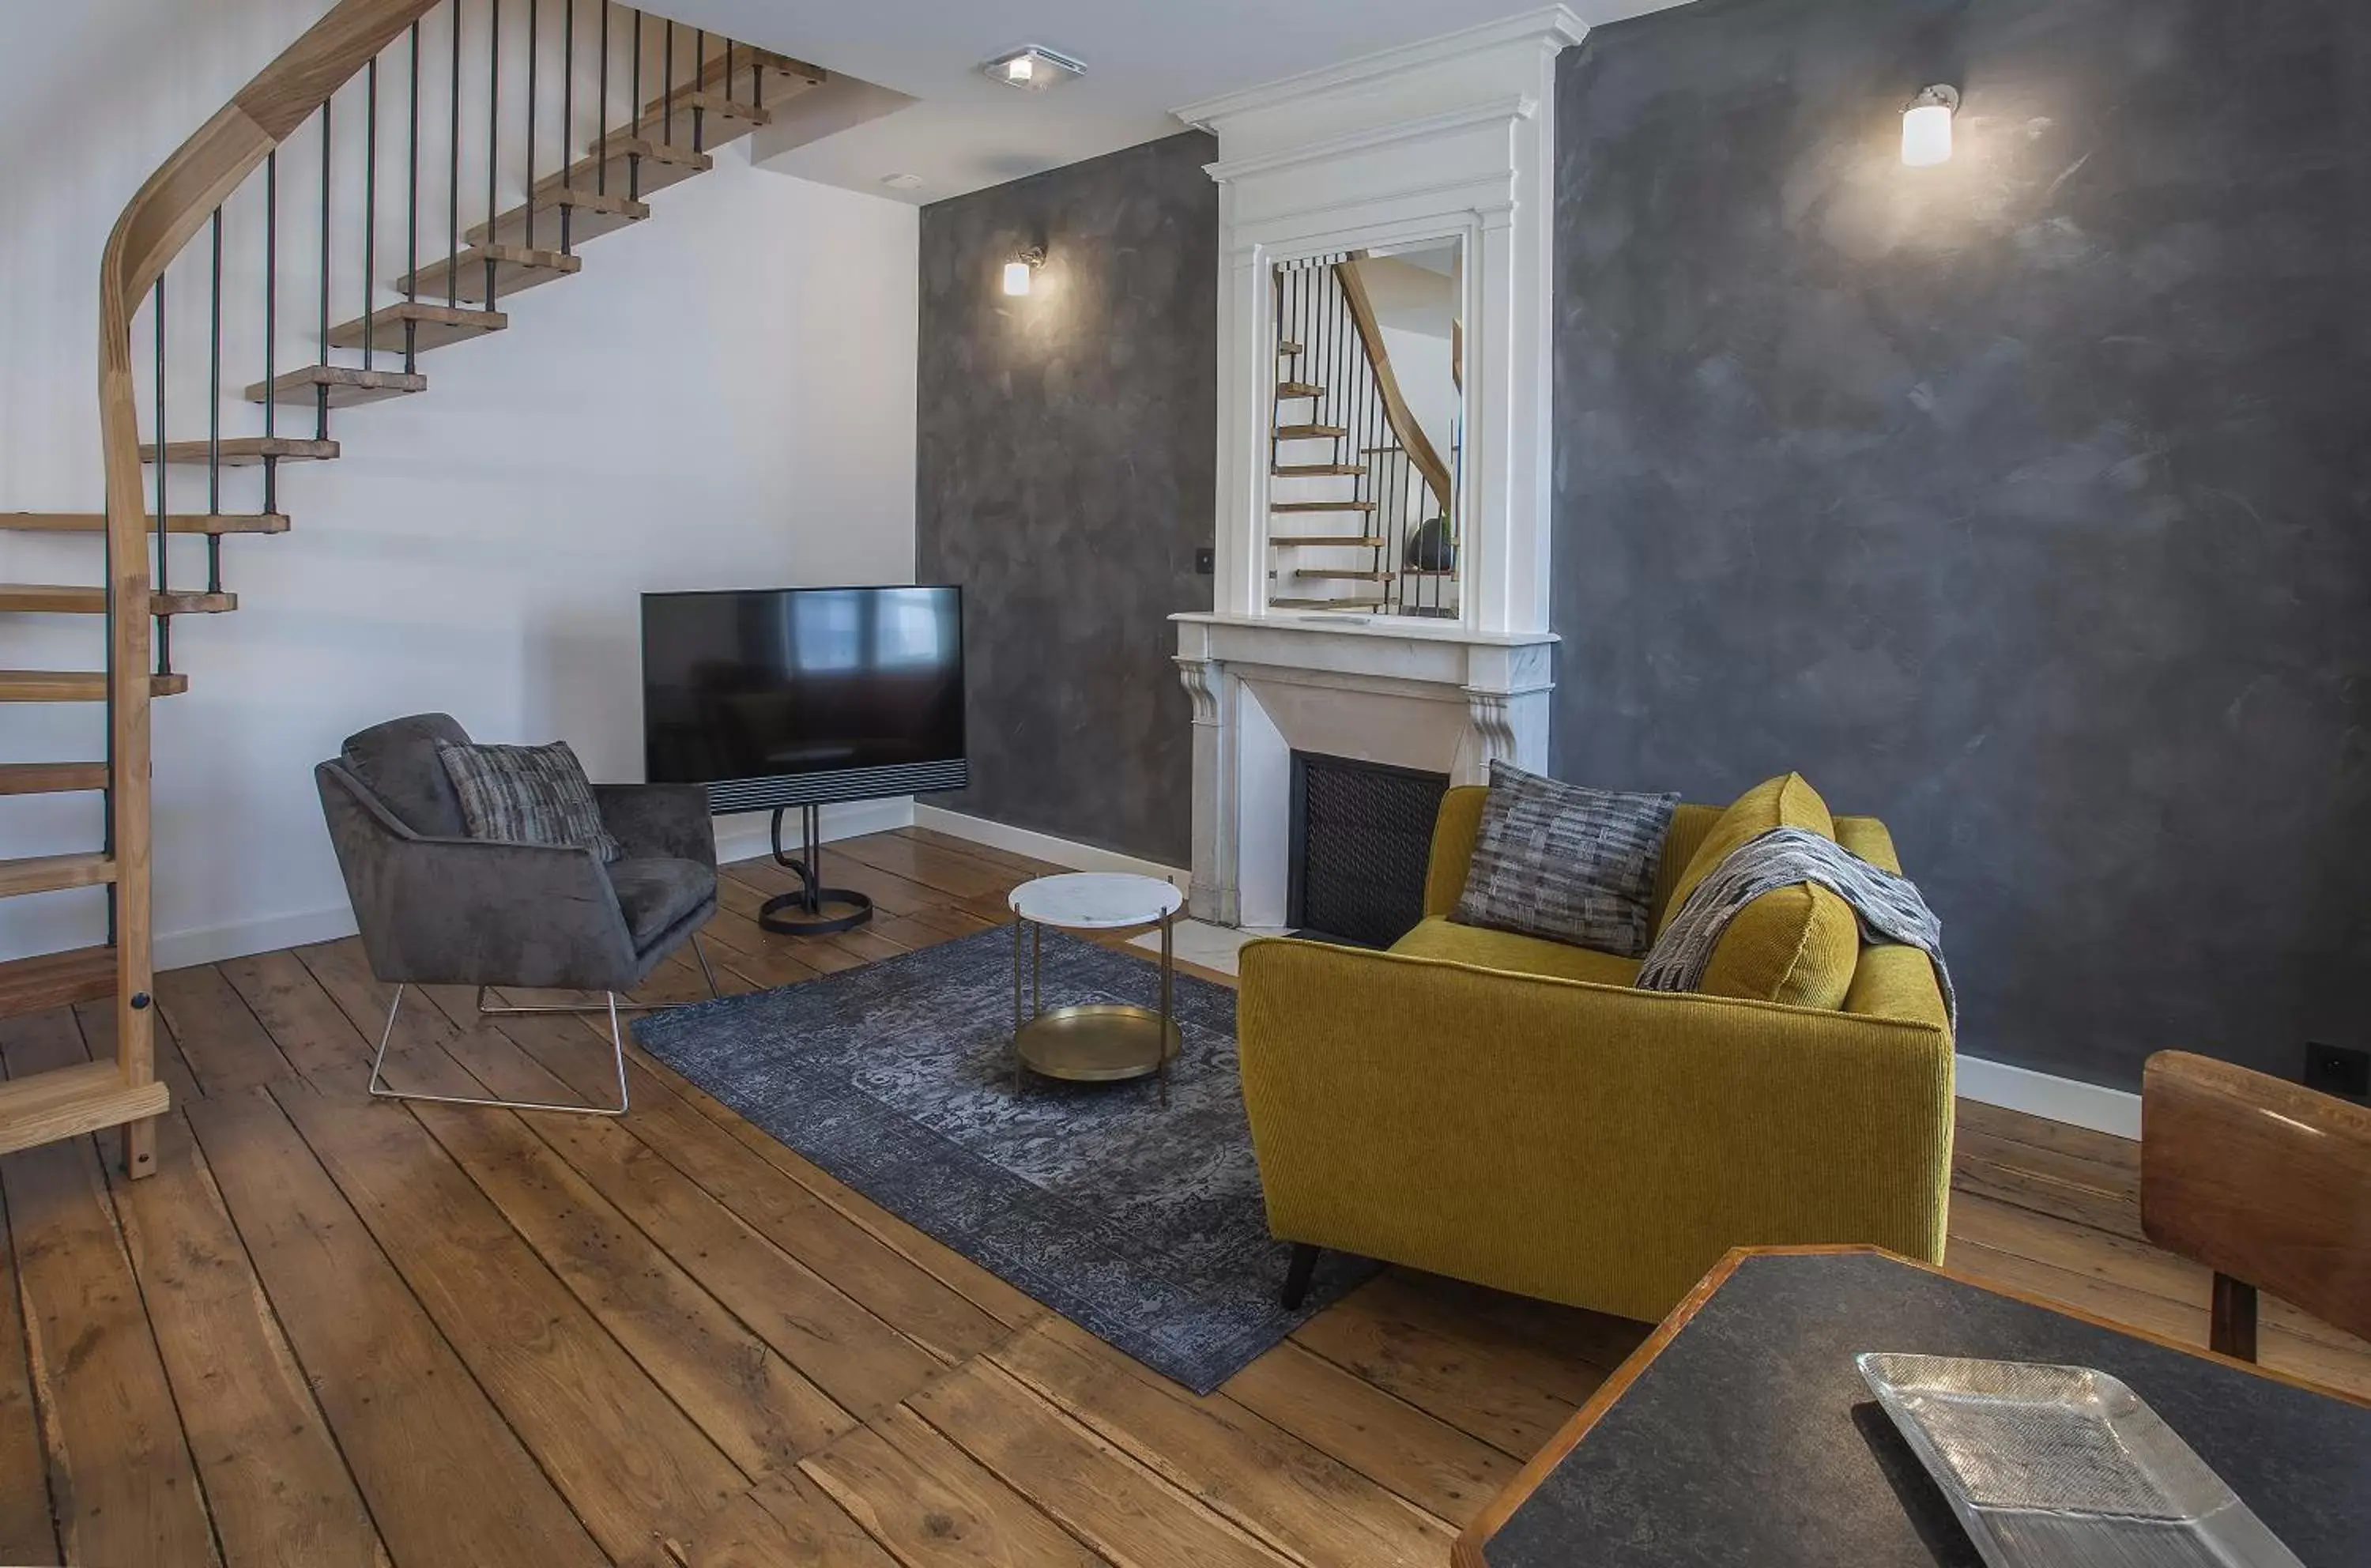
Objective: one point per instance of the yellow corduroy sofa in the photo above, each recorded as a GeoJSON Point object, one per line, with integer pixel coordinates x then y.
{"type": "Point", "coordinates": [1512, 1112]}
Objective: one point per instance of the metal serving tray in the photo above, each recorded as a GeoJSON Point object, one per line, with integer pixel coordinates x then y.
{"type": "Point", "coordinates": [2051, 1466]}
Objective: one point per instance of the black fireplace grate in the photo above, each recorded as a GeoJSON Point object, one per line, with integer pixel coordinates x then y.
{"type": "Point", "coordinates": [1361, 838]}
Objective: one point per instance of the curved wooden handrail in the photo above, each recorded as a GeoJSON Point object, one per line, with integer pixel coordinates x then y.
{"type": "Point", "coordinates": [1411, 436]}
{"type": "Point", "coordinates": [163, 216]}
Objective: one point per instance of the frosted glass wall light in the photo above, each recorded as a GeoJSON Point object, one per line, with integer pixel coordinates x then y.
{"type": "Point", "coordinates": [1021, 268]}
{"type": "Point", "coordinates": [1926, 127]}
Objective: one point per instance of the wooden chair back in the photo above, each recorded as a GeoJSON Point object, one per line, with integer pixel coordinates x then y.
{"type": "Point", "coordinates": [2265, 1182]}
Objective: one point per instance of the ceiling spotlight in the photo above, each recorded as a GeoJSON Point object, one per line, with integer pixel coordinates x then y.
{"type": "Point", "coordinates": [1033, 68]}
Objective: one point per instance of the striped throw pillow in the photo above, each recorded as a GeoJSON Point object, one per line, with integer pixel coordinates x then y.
{"type": "Point", "coordinates": [1572, 865]}
{"type": "Point", "coordinates": [527, 795]}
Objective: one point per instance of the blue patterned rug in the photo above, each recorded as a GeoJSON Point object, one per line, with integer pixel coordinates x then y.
{"type": "Point", "coordinates": [1140, 1222]}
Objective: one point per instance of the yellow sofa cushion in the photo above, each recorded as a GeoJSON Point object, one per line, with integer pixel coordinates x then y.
{"type": "Point", "coordinates": [1798, 945]}
{"type": "Point", "coordinates": [1486, 949]}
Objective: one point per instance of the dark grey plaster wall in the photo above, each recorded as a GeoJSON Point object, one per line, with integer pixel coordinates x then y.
{"type": "Point", "coordinates": [2025, 501]}
{"type": "Point", "coordinates": [1067, 475]}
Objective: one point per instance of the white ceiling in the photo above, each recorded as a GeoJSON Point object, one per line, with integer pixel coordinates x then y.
{"type": "Point", "coordinates": [1143, 60]}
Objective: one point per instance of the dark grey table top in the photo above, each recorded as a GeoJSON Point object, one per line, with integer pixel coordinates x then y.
{"type": "Point", "coordinates": [1751, 1439]}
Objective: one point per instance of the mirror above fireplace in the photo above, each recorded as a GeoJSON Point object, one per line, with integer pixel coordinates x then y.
{"type": "Point", "coordinates": [1367, 437]}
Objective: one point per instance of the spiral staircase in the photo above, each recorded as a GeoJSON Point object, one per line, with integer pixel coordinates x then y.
{"type": "Point", "coordinates": [475, 146]}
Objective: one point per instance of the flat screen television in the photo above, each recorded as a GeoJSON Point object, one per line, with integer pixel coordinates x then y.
{"type": "Point", "coordinates": [796, 696]}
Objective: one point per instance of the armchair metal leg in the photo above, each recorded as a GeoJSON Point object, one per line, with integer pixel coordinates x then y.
{"type": "Point", "coordinates": [617, 1045]}
{"type": "Point", "coordinates": [707, 974]}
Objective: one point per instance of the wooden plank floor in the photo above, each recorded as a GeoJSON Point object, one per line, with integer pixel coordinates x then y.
{"type": "Point", "coordinates": [331, 1332]}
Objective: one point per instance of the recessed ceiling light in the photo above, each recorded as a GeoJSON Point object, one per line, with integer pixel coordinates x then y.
{"type": "Point", "coordinates": [1033, 68]}
{"type": "Point", "coordinates": [902, 181]}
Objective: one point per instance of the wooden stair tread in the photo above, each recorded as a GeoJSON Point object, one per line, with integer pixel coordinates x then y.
{"type": "Point", "coordinates": [664, 164]}
{"type": "Point", "coordinates": [1428, 571]}
{"type": "Point", "coordinates": [75, 686]}
{"type": "Point", "coordinates": [1301, 541]}
{"type": "Point", "coordinates": [1287, 347]}
{"type": "Point", "coordinates": [68, 1101]}
{"type": "Point", "coordinates": [592, 214]}
{"type": "Point", "coordinates": [49, 873]}
{"type": "Point", "coordinates": [438, 325]}
{"type": "Point", "coordinates": [1310, 432]}
{"type": "Point", "coordinates": [177, 522]}
{"type": "Point", "coordinates": [743, 116]}
{"type": "Point", "coordinates": [728, 67]}
{"type": "Point", "coordinates": [1329, 574]}
{"type": "Point", "coordinates": [1312, 470]}
{"type": "Point", "coordinates": [81, 599]}
{"type": "Point", "coordinates": [56, 980]}
{"type": "Point", "coordinates": [1324, 604]}
{"type": "Point", "coordinates": [50, 778]}
{"type": "Point", "coordinates": [242, 450]}
{"type": "Point", "coordinates": [1299, 389]}
{"type": "Point", "coordinates": [1321, 506]}
{"type": "Point", "coordinates": [348, 385]}
{"type": "Point", "coordinates": [515, 267]}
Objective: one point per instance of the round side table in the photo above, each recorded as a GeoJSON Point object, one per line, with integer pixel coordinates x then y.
{"type": "Point", "coordinates": [1098, 1041]}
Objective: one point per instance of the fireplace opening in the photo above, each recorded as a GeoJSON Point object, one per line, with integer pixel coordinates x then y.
{"type": "Point", "coordinates": [1362, 837]}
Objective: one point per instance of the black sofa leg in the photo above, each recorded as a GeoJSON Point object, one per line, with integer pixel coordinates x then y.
{"type": "Point", "coordinates": [1296, 1277]}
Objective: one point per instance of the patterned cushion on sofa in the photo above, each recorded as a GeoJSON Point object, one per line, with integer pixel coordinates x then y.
{"type": "Point", "coordinates": [1574, 865]}
{"type": "Point", "coordinates": [527, 795]}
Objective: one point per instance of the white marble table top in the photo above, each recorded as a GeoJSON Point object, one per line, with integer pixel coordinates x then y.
{"type": "Point", "coordinates": [1095, 901]}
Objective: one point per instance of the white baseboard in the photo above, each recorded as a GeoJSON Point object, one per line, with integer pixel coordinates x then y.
{"type": "Point", "coordinates": [2083, 1104]}
{"type": "Point", "coordinates": [211, 944]}
{"type": "Point", "coordinates": [749, 835]}
{"type": "Point", "coordinates": [1045, 847]}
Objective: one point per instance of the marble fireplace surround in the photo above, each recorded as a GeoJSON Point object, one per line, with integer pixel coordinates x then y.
{"type": "Point", "coordinates": [1393, 690]}
{"type": "Point", "coordinates": [1450, 138]}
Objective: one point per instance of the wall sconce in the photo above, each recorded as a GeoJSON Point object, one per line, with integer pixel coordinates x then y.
{"type": "Point", "coordinates": [1927, 126]}
{"type": "Point", "coordinates": [1021, 268]}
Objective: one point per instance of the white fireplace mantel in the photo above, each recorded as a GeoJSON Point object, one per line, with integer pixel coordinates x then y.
{"type": "Point", "coordinates": [1451, 138]}
{"type": "Point", "coordinates": [1389, 689]}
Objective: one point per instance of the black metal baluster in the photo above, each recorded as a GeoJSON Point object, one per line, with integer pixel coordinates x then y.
{"type": "Point", "coordinates": [164, 630]}
{"type": "Point", "coordinates": [666, 87]}
{"type": "Point", "coordinates": [322, 387]}
{"type": "Point", "coordinates": [271, 321]}
{"type": "Point", "coordinates": [533, 42]}
{"type": "Point", "coordinates": [634, 159]}
{"type": "Point", "coordinates": [699, 82]}
{"type": "Point", "coordinates": [567, 122]}
{"type": "Point", "coordinates": [412, 222]}
{"type": "Point", "coordinates": [453, 181]}
{"type": "Point", "coordinates": [601, 114]}
{"type": "Point", "coordinates": [213, 416]}
{"type": "Point", "coordinates": [494, 135]}
{"type": "Point", "coordinates": [370, 201]}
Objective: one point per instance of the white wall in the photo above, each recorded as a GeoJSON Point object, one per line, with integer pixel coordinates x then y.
{"type": "Point", "coordinates": [724, 396]}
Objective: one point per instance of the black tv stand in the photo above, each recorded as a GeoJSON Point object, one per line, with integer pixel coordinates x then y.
{"type": "Point", "coordinates": [800, 914]}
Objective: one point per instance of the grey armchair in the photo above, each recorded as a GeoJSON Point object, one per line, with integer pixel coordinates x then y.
{"type": "Point", "coordinates": [437, 907]}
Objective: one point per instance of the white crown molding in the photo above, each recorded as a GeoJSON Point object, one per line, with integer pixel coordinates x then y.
{"type": "Point", "coordinates": [1521, 107]}
{"type": "Point", "coordinates": [1555, 26]}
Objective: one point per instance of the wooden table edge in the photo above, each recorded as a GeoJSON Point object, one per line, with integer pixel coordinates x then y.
{"type": "Point", "coordinates": [1468, 1551]}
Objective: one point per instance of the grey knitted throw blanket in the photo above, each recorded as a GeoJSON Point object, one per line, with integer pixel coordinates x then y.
{"type": "Point", "coordinates": [1889, 906]}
